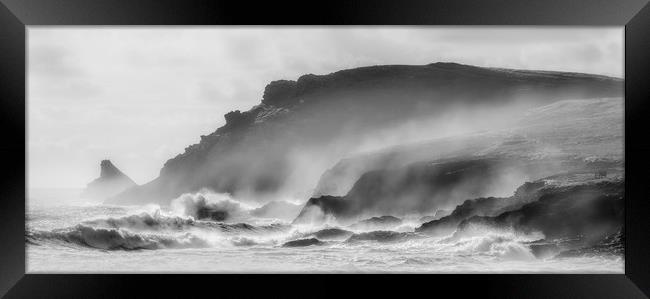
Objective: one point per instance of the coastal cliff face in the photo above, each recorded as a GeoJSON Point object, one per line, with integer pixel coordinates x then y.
{"type": "Point", "coordinates": [110, 182]}
{"type": "Point", "coordinates": [574, 136]}
{"type": "Point", "coordinates": [301, 128]}
{"type": "Point", "coordinates": [579, 128]}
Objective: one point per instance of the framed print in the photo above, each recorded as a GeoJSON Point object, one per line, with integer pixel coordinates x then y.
{"type": "Point", "coordinates": [261, 147]}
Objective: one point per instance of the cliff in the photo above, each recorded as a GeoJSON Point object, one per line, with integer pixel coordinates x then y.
{"type": "Point", "coordinates": [301, 128]}
{"type": "Point", "coordinates": [584, 128]}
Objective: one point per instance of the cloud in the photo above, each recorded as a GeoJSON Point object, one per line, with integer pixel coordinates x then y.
{"type": "Point", "coordinates": [50, 60]}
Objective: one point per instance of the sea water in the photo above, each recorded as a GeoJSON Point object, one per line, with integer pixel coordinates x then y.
{"type": "Point", "coordinates": [75, 236]}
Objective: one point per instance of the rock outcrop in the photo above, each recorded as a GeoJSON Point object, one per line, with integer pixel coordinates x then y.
{"type": "Point", "coordinates": [574, 214]}
{"type": "Point", "coordinates": [332, 234]}
{"type": "Point", "coordinates": [110, 182]}
{"type": "Point", "coordinates": [592, 211]}
{"type": "Point", "coordinates": [303, 243]}
{"type": "Point", "coordinates": [424, 187]}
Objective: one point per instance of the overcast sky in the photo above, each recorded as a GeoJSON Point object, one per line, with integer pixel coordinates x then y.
{"type": "Point", "coordinates": [139, 95]}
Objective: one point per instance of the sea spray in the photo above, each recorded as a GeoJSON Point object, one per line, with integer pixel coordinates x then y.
{"type": "Point", "coordinates": [209, 205]}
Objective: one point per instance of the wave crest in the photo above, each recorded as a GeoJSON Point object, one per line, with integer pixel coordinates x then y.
{"type": "Point", "coordinates": [206, 205]}
{"type": "Point", "coordinates": [115, 239]}
{"type": "Point", "coordinates": [505, 243]}
{"type": "Point", "coordinates": [145, 221]}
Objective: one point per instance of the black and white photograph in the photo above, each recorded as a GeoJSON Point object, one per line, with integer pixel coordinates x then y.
{"type": "Point", "coordinates": [325, 149]}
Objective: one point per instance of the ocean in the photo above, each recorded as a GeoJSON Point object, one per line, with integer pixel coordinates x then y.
{"type": "Point", "coordinates": [67, 235]}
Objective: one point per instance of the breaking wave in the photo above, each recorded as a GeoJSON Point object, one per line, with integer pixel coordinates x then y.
{"type": "Point", "coordinates": [156, 231]}
{"type": "Point", "coordinates": [160, 230]}
{"type": "Point", "coordinates": [113, 239]}
{"type": "Point", "coordinates": [210, 220]}
{"type": "Point", "coordinates": [207, 205]}
{"type": "Point", "coordinates": [505, 243]}
{"type": "Point", "coordinates": [145, 221]}
{"type": "Point", "coordinates": [154, 228]}
{"type": "Point", "coordinates": [158, 221]}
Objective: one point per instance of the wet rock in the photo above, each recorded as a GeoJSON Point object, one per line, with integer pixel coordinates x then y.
{"type": "Point", "coordinates": [332, 234]}
{"type": "Point", "coordinates": [303, 243]}
{"type": "Point", "coordinates": [381, 236]}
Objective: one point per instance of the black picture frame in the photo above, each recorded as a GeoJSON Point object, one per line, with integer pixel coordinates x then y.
{"type": "Point", "coordinates": [15, 15]}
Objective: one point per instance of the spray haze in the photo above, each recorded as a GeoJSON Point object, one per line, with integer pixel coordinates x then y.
{"type": "Point", "coordinates": [280, 148]}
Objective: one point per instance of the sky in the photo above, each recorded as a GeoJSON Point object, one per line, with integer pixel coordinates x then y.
{"type": "Point", "coordinates": [140, 95]}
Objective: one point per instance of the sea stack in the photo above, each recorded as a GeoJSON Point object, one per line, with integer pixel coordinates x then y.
{"type": "Point", "coordinates": [111, 181]}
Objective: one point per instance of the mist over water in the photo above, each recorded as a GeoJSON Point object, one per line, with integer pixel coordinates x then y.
{"type": "Point", "coordinates": [171, 241]}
